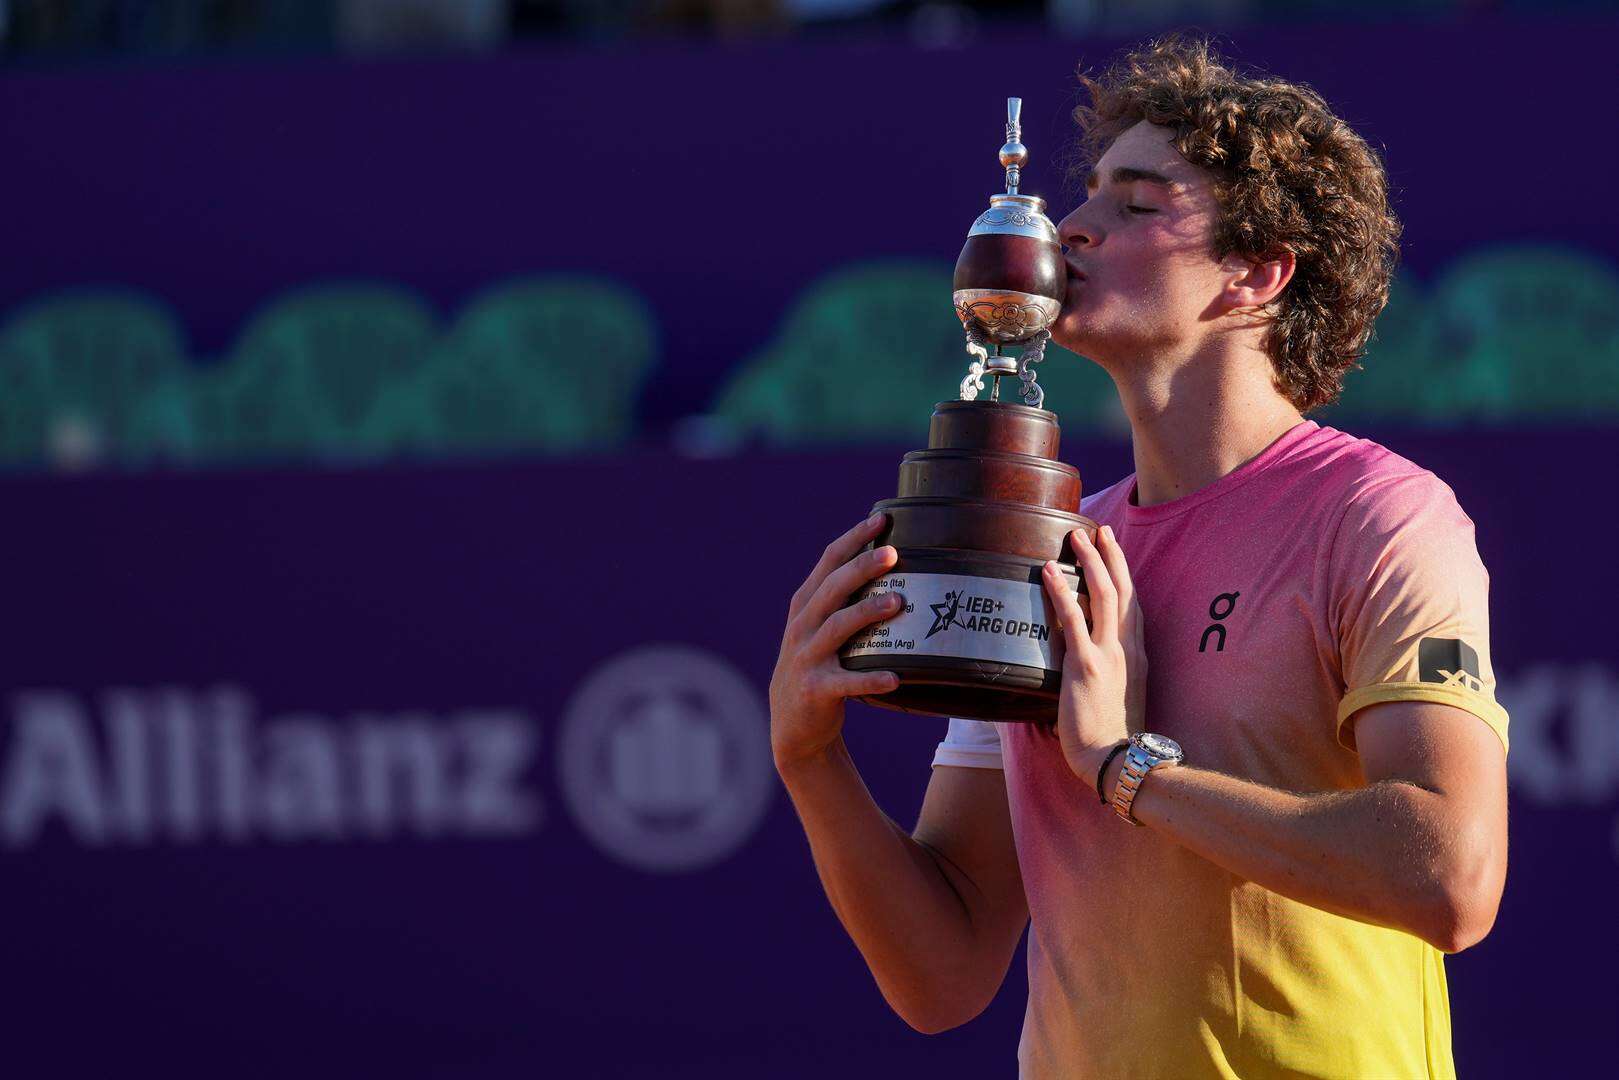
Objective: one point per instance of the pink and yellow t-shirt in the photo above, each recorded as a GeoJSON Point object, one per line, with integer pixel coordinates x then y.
{"type": "Point", "coordinates": [1325, 575]}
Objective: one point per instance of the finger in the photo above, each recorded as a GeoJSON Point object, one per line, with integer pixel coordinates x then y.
{"type": "Point", "coordinates": [1117, 568]}
{"type": "Point", "coordinates": [859, 683]}
{"type": "Point", "coordinates": [836, 554]}
{"type": "Point", "coordinates": [1099, 583]}
{"type": "Point", "coordinates": [1130, 622]}
{"type": "Point", "coordinates": [842, 624]}
{"type": "Point", "coordinates": [836, 588]}
{"type": "Point", "coordinates": [1075, 628]}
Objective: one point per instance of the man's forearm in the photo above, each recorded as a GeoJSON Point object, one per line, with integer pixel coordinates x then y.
{"type": "Point", "coordinates": [890, 893]}
{"type": "Point", "coordinates": [1388, 853]}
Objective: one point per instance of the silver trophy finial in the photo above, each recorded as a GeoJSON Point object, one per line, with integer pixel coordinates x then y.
{"type": "Point", "coordinates": [1014, 155]}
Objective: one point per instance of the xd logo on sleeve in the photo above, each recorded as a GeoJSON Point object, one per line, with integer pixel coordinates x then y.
{"type": "Point", "coordinates": [1449, 662]}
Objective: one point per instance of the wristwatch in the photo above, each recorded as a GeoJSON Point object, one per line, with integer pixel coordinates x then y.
{"type": "Point", "coordinates": [1145, 753]}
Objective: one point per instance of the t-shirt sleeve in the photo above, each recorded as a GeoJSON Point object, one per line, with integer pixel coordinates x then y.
{"type": "Point", "coordinates": [1411, 603]}
{"type": "Point", "coordinates": [974, 744]}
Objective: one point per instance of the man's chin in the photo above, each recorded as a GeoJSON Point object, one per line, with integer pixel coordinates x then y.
{"type": "Point", "coordinates": [1085, 340]}
{"type": "Point", "coordinates": [1071, 333]}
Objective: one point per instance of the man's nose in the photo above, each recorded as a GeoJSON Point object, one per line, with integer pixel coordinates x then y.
{"type": "Point", "coordinates": [1075, 231]}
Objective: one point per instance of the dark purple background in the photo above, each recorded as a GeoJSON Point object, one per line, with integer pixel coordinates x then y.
{"type": "Point", "coordinates": [717, 181]}
{"type": "Point", "coordinates": [438, 589]}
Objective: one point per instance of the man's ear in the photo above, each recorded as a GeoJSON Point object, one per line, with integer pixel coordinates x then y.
{"type": "Point", "coordinates": [1255, 283]}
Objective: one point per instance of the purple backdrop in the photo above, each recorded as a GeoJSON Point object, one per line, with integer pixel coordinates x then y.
{"type": "Point", "coordinates": [296, 768]}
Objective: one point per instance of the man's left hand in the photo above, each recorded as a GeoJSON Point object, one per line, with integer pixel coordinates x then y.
{"type": "Point", "coordinates": [1104, 663]}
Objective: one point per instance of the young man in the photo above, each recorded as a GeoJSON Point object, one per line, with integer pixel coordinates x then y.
{"type": "Point", "coordinates": [1303, 612]}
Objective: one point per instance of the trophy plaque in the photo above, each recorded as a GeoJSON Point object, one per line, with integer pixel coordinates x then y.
{"type": "Point", "coordinates": [986, 505]}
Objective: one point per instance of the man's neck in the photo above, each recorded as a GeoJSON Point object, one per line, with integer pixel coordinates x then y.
{"type": "Point", "coordinates": [1199, 419]}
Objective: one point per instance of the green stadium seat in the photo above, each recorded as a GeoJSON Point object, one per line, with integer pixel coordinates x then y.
{"type": "Point", "coordinates": [1507, 336]}
{"type": "Point", "coordinates": [1396, 379]}
{"type": "Point", "coordinates": [72, 369]}
{"type": "Point", "coordinates": [864, 355]}
{"type": "Point", "coordinates": [307, 373]}
{"type": "Point", "coordinates": [550, 364]}
{"type": "Point", "coordinates": [186, 421]}
{"type": "Point", "coordinates": [1535, 332]}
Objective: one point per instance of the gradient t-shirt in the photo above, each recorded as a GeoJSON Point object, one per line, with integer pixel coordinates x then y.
{"type": "Point", "coordinates": [1324, 575]}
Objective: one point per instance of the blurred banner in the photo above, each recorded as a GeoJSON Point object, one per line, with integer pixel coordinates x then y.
{"type": "Point", "coordinates": [385, 694]}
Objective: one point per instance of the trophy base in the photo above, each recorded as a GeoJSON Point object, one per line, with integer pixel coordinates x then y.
{"type": "Point", "coordinates": [967, 689]}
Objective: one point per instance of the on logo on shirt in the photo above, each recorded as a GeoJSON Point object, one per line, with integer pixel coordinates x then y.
{"type": "Point", "coordinates": [1229, 601]}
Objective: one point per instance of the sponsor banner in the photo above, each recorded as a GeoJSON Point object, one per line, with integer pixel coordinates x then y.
{"type": "Point", "coordinates": [259, 769]}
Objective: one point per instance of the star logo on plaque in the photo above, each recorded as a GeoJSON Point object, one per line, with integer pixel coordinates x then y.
{"type": "Point", "coordinates": [944, 614]}
{"type": "Point", "coordinates": [664, 758]}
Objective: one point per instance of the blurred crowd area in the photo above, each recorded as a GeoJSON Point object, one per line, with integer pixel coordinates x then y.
{"type": "Point", "coordinates": [52, 28]}
{"type": "Point", "coordinates": [99, 369]}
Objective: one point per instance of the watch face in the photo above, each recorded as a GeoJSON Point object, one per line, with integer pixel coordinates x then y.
{"type": "Point", "coordinates": [1159, 746]}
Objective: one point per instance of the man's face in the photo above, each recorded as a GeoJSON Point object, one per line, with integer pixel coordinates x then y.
{"type": "Point", "coordinates": [1142, 274]}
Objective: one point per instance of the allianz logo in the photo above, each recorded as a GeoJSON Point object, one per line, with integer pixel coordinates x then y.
{"type": "Point", "coordinates": [175, 766]}
{"type": "Point", "coordinates": [662, 759]}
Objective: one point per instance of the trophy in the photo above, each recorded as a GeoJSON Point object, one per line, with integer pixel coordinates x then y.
{"type": "Point", "coordinates": [983, 508]}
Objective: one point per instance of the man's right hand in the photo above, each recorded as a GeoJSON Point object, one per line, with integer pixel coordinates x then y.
{"type": "Point", "coordinates": [809, 684]}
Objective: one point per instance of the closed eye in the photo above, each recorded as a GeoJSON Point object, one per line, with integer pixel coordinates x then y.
{"type": "Point", "coordinates": [1140, 210]}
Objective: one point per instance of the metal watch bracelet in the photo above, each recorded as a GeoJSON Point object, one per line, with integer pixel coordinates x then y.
{"type": "Point", "coordinates": [1145, 753]}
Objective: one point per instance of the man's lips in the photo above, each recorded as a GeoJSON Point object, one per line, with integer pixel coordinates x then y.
{"type": "Point", "coordinates": [1075, 272]}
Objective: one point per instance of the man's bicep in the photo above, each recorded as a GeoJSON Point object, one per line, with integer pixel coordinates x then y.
{"type": "Point", "coordinates": [965, 820]}
{"type": "Point", "coordinates": [1429, 744]}
{"type": "Point", "coordinates": [1460, 760]}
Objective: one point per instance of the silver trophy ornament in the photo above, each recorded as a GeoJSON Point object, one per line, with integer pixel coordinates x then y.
{"type": "Point", "coordinates": [1010, 279]}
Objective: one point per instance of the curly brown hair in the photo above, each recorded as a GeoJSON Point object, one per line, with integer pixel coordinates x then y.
{"type": "Point", "coordinates": [1288, 176]}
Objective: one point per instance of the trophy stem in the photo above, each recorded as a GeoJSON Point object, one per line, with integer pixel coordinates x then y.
{"type": "Point", "coordinates": [990, 359]}
{"type": "Point", "coordinates": [1034, 395]}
